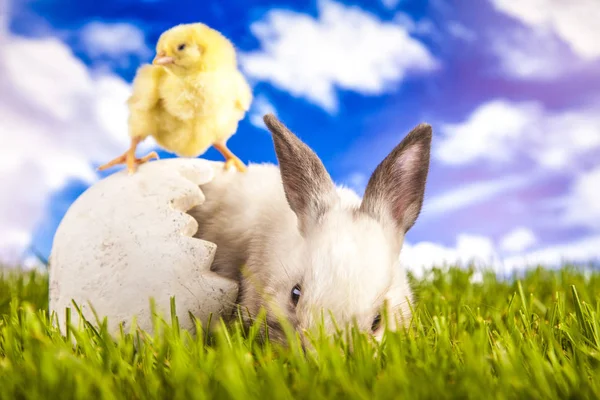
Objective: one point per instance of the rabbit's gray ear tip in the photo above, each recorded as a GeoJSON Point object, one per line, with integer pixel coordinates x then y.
{"type": "Point", "coordinates": [270, 119]}
{"type": "Point", "coordinates": [423, 130]}
{"type": "Point", "coordinates": [274, 125]}
{"type": "Point", "coordinates": [425, 127]}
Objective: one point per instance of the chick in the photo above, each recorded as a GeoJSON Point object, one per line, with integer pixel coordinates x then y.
{"type": "Point", "coordinates": [191, 97]}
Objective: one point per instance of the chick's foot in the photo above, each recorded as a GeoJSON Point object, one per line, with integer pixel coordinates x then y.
{"type": "Point", "coordinates": [230, 158]}
{"type": "Point", "coordinates": [237, 163]}
{"type": "Point", "coordinates": [129, 159]}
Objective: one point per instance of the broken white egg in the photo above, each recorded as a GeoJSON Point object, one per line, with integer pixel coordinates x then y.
{"type": "Point", "coordinates": [128, 239]}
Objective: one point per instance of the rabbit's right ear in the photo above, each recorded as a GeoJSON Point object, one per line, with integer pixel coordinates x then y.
{"type": "Point", "coordinates": [309, 189]}
{"type": "Point", "coordinates": [396, 189]}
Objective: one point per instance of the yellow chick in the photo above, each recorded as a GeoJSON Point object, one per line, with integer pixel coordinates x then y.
{"type": "Point", "coordinates": [191, 97]}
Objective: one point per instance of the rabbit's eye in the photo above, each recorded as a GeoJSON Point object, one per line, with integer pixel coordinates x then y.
{"type": "Point", "coordinates": [181, 47]}
{"type": "Point", "coordinates": [296, 292]}
{"type": "Point", "coordinates": [376, 323]}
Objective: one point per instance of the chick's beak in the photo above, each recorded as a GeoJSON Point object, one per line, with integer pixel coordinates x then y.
{"type": "Point", "coordinates": [162, 59]}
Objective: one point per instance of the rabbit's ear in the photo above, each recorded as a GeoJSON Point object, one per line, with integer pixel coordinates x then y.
{"type": "Point", "coordinates": [309, 189]}
{"type": "Point", "coordinates": [395, 190]}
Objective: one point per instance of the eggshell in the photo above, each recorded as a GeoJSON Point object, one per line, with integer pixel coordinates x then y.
{"type": "Point", "coordinates": [128, 239]}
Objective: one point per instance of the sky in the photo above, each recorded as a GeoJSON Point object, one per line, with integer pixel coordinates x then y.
{"type": "Point", "coordinates": [511, 89]}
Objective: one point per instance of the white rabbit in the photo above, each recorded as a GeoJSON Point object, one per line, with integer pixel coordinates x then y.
{"type": "Point", "coordinates": [310, 249]}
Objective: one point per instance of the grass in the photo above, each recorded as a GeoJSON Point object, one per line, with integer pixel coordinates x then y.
{"type": "Point", "coordinates": [537, 337]}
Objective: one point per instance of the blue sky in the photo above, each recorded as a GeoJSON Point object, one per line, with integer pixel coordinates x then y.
{"type": "Point", "coordinates": [512, 92]}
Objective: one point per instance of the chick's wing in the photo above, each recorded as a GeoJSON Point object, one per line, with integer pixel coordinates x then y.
{"type": "Point", "coordinates": [243, 92]}
{"type": "Point", "coordinates": [145, 94]}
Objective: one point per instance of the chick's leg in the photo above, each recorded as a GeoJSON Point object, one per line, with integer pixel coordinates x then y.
{"type": "Point", "coordinates": [129, 158]}
{"type": "Point", "coordinates": [230, 158]}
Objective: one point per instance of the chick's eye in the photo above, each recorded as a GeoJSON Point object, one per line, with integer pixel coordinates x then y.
{"type": "Point", "coordinates": [296, 292]}
{"type": "Point", "coordinates": [181, 47]}
{"type": "Point", "coordinates": [376, 323]}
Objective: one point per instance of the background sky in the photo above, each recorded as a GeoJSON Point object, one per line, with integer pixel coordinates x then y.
{"type": "Point", "coordinates": [512, 90]}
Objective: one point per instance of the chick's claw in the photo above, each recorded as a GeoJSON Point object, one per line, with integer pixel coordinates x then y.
{"type": "Point", "coordinates": [236, 162]}
{"type": "Point", "coordinates": [130, 160]}
{"type": "Point", "coordinates": [230, 158]}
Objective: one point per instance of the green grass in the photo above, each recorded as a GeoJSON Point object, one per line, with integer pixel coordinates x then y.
{"type": "Point", "coordinates": [538, 337]}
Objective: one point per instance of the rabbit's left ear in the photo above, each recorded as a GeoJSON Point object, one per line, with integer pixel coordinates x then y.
{"type": "Point", "coordinates": [396, 189]}
{"type": "Point", "coordinates": [309, 189]}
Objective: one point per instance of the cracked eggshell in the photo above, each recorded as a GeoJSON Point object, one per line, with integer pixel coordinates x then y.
{"type": "Point", "coordinates": [127, 239]}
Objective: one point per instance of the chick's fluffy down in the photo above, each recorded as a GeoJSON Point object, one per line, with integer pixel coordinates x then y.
{"type": "Point", "coordinates": [186, 115]}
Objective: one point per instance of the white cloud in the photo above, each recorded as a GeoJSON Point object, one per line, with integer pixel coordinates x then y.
{"type": "Point", "coordinates": [583, 201]}
{"type": "Point", "coordinates": [581, 251]}
{"type": "Point", "coordinates": [518, 240]}
{"type": "Point", "coordinates": [57, 118]}
{"type": "Point", "coordinates": [356, 181]}
{"type": "Point", "coordinates": [495, 126]}
{"type": "Point", "coordinates": [460, 31]}
{"type": "Point", "coordinates": [535, 56]}
{"type": "Point", "coordinates": [481, 253]}
{"type": "Point", "coordinates": [504, 134]}
{"type": "Point", "coordinates": [344, 48]}
{"type": "Point", "coordinates": [469, 249]}
{"type": "Point", "coordinates": [391, 4]}
{"type": "Point", "coordinates": [423, 26]}
{"type": "Point", "coordinates": [260, 107]}
{"type": "Point", "coordinates": [575, 22]}
{"type": "Point", "coordinates": [473, 193]}
{"type": "Point", "coordinates": [501, 131]}
{"type": "Point", "coordinates": [114, 42]}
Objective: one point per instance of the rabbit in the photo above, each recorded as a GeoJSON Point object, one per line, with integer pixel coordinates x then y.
{"type": "Point", "coordinates": [308, 250]}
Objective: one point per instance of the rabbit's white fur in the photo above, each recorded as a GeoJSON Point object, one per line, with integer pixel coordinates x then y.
{"type": "Point", "coordinates": [342, 251]}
